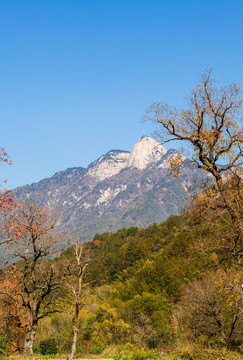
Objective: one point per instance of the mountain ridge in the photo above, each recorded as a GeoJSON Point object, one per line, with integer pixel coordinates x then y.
{"type": "Point", "coordinates": [119, 189]}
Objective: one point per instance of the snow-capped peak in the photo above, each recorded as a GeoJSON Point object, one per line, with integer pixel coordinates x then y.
{"type": "Point", "coordinates": [145, 152]}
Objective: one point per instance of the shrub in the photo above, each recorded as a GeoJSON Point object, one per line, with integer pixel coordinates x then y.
{"type": "Point", "coordinates": [4, 346]}
{"type": "Point", "coordinates": [188, 351]}
{"type": "Point", "coordinates": [136, 354]}
{"type": "Point", "coordinates": [96, 349]}
{"type": "Point", "coordinates": [48, 347]}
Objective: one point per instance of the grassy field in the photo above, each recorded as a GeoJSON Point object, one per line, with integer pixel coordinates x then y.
{"type": "Point", "coordinates": [183, 353]}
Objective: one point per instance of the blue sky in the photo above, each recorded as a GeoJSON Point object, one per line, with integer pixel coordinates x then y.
{"type": "Point", "coordinates": [78, 75]}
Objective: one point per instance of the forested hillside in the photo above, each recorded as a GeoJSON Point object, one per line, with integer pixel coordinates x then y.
{"type": "Point", "coordinates": [147, 288]}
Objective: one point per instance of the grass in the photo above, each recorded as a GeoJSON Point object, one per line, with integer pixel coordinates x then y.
{"type": "Point", "coordinates": [197, 352]}
{"type": "Point", "coordinates": [184, 352]}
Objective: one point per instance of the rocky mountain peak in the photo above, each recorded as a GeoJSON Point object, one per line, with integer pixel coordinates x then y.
{"type": "Point", "coordinates": [146, 151]}
{"type": "Point", "coordinates": [108, 165]}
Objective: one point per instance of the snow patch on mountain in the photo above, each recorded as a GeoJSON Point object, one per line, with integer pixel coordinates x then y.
{"type": "Point", "coordinates": [146, 151]}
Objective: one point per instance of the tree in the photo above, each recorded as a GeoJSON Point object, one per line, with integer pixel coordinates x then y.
{"type": "Point", "coordinates": [12, 312]}
{"type": "Point", "coordinates": [5, 198]}
{"type": "Point", "coordinates": [30, 236]}
{"type": "Point", "coordinates": [219, 237]}
{"type": "Point", "coordinates": [212, 307]}
{"type": "Point", "coordinates": [76, 271]}
{"type": "Point", "coordinates": [108, 326]}
{"type": "Point", "coordinates": [213, 136]}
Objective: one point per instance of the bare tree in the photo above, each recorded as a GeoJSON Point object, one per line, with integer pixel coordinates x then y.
{"type": "Point", "coordinates": [212, 306]}
{"type": "Point", "coordinates": [211, 131]}
{"type": "Point", "coordinates": [30, 236]}
{"type": "Point", "coordinates": [76, 270]}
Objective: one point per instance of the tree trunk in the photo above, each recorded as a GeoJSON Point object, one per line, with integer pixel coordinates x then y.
{"type": "Point", "coordinates": [78, 249]}
{"type": "Point", "coordinates": [75, 329]}
{"type": "Point", "coordinates": [74, 344]}
{"type": "Point", "coordinates": [29, 341]}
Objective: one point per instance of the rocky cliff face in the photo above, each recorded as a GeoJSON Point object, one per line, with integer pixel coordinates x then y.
{"type": "Point", "coordinates": [120, 189]}
{"type": "Point", "coordinates": [146, 152]}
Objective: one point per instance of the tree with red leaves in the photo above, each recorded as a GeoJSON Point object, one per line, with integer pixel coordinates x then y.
{"type": "Point", "coordinates": [12, 313]}
{"type": "Point", "coordinates": [6, 201]}
{"type": "Point", "coordinates": [29, 233]}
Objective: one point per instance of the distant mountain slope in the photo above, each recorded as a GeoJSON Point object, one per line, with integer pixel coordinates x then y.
{"type": "Point", "coordinates": [120, 189]}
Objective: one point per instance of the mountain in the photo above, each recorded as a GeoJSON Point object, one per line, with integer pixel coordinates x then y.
{"type": "Point", "coordinates": [120, 189]}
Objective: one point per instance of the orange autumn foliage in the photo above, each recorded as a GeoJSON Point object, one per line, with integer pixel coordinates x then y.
{"type": "Point", "coordinates": [12, 314]}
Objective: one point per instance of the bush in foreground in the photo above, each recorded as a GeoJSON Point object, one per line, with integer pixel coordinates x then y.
{"type": "Point", "coordinates": [48, 347]}
{"type": "Point", "coordinates": [4, 346]}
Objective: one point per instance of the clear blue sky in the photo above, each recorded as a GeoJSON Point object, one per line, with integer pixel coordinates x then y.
{"type": "Point", "coordinates": [76, 76]}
